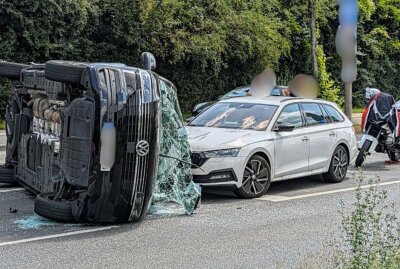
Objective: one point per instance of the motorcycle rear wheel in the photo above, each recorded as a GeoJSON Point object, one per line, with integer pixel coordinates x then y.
{"type": "Point", "coordinates": [363, 152]}
{"type": "Point", "coordinates": [393, 155]}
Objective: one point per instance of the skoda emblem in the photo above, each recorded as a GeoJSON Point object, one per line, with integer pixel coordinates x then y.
{"type": "Point", "coordinates": [142, 148]}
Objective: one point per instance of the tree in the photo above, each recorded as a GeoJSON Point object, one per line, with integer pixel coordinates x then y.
{"type": "Point", "coordinates": [207, 47]}
{"type": "Point", "coordinates": [314, 42]}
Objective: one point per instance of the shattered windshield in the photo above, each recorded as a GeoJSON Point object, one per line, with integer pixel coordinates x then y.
{"type": "Point", "coordinates": [174, 178]}
{"type": "Point", "coordinates": [243, 116]}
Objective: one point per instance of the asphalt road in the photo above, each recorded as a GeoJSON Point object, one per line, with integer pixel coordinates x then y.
{"type": "Point", "coordinates": [288, 228]}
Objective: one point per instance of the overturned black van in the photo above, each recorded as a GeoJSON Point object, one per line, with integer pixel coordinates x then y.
{"type": "Point", "coordinates": [84, 137]}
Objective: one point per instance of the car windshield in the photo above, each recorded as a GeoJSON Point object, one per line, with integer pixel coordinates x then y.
{"type": "Point", "coordinates": [243, 116]}
{"type": "Point", "coordinates": [239, 92]}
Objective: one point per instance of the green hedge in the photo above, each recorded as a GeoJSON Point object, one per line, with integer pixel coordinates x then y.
{"type": "Point", "coordinates": [206, 47]}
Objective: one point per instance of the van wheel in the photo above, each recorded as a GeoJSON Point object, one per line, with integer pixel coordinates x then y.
{"type": "Point", "coordinates": [64, 71]}
{"type": "Point", "coordinates": [338, 166]}
{"type": "Point", "coordinates": [47, 207]}
{"type": "Point", "coordinates": [11, 70]}
{"type": "Point", "coordinates": [256, 178]}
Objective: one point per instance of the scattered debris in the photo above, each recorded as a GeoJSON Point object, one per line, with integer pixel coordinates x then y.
{"type": "Point", "coordinates": [36, 222]}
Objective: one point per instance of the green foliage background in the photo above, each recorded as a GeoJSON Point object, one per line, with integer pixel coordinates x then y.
{"type": "Point", "coordinates": [206, 47]}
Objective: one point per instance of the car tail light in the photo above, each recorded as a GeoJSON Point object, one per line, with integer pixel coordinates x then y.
{"type": "Point", "coordinates": [354, 129]}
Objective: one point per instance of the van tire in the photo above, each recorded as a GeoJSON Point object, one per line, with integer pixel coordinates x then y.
{"type": "Point", "coordinates": [46, 207]}
{"type": "Point", "coordinates": [11, 70]}
{"type": "Point", "coordinates": [64, 71]}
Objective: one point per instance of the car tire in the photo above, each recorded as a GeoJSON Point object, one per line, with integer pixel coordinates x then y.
{"type": "Point", "coordinates": [7, 175]}
{"type": "Point", "coordinates": [394, 156]}
{"type": "Point", "coordinates": [64, 71]}
{"type": "Point", "coordinates": [338, 166]}
{"type": "Point", "coordinates": [256, 178]}
{"type": "Point", "coordinates": [363, 153]}
{"type": "Point", "coordinates": [47, 207]}
{"type": "Point", "coordinates": [11, 70]}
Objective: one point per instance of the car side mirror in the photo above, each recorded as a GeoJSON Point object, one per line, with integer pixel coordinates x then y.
{"type": "Point", "coordinates": [148, 61]}
{"type": "Point", "coordinates": [280, 127]}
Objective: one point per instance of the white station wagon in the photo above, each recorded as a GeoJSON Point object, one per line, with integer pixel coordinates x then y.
{"type": "Point", "coordinates": [247, 143]}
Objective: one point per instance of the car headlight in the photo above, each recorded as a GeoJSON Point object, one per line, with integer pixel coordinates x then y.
{"type": "Point", "coordinates": [221, 153]}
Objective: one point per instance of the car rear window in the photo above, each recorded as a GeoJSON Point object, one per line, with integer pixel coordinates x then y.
{"type": "Point", "coordinates": [335, 115]}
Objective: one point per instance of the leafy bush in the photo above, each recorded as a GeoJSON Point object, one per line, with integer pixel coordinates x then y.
{"type": "Point", "coordinates": [206, 47]}
{"type": "Point", "coordinates": [370, 233]}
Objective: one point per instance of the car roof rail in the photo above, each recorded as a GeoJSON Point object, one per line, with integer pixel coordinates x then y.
{"type": "Point", "coordinates": [291, 98]}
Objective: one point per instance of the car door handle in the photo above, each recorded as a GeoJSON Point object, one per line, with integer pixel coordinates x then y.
{"type": "Point", "coordinates": [332, 134]}
{"type": "Point", "coordinates": [304, 138]}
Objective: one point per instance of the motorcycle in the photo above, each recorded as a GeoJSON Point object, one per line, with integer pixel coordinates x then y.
{"type": "Point", "coordinates": [380, 129]}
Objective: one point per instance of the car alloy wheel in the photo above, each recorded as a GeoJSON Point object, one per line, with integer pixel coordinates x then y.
{"type": "Point", "coordinates": [340, 163]}
{"type": "Point", "coordinates": [256, 178]}
{"type": "Point", "coordinates": [338, 166]}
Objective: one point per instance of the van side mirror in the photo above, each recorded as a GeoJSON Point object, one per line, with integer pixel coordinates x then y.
{"type": "Point", "coordinates": [148, 61]}
{"type": "Point", "coordinates": [281, 127]}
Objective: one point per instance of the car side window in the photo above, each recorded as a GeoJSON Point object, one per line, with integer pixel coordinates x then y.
{"type": "Point", "coordinates": [313, 114]}
{"type": "Point", "coordinates": [328, 118]}
{"type": "Point", "coordinates": [291, 115]}
{"type": "Point", "coordinates": [335, 115]}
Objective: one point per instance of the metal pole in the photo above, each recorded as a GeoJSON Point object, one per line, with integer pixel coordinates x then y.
{"type": "Point", "coordinates": [348, 96]}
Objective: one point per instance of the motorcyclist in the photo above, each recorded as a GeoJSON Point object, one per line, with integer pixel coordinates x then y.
{"type": "Point", "coordinates": [380, 125]}
{"type": "Point", "coordinates": [370, 95]}
{"type": "Point", "coordinates": [380, 107]}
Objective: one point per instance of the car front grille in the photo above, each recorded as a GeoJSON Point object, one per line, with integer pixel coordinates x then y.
{"type": "Point", "coordinates": [198, 159]}
{"type": "Point", "coordinates": [138, 128]}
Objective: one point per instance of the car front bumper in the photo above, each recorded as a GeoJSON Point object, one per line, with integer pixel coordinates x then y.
{"type": "Point", "coordinates": [225, 171]}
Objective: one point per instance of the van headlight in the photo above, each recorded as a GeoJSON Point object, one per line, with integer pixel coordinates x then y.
{"type": "Point", "coordinates": [221, 153]}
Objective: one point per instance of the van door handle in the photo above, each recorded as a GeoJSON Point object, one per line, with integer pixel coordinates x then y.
{"type": "Point", "coordinates": [304, 138]}
{"type": "Point", "coordinates": [332, 134]}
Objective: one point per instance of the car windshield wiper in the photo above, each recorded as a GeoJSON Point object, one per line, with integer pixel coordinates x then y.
{"type": "Point", "coordinates": [182, 161]}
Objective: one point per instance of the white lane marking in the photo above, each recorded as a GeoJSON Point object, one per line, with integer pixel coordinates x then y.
{"type": "Point", "coordinates": [14, 189]}
{"type": "Point", "coordinates": [279, 198]}
{"type": "Point", "coordinates": [56, 235]}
